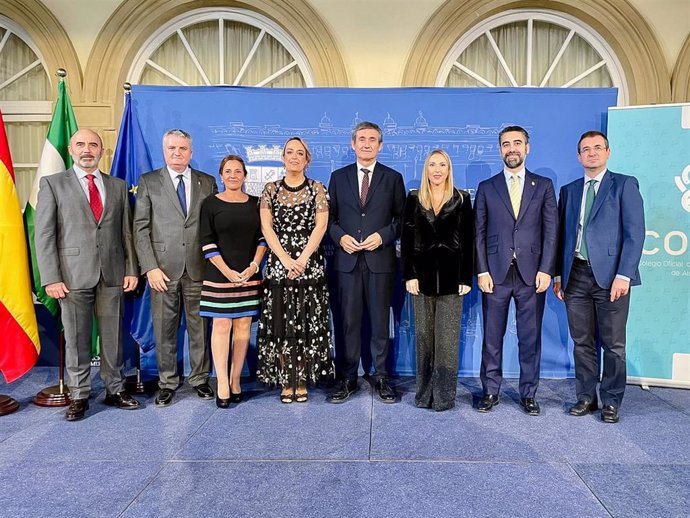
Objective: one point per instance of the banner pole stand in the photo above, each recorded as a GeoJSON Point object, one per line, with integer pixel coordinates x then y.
{"type": "Point", "coordinates": [56, 395]}
{"type": "Point", "coordinates": [134, 383]}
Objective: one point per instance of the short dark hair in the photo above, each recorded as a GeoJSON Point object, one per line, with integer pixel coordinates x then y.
{"type": "Point", "coordinates": [508, 129]}
{"type": "Point", "coordinates": [227, 159]}
{"type": "Point", "coordinates": [367, 125]}
{"type": "Point", "coordinates": [590, 134]}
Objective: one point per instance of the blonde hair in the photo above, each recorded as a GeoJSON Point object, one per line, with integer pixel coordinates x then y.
{"type": "Point", "coordinates": [307, 153]}
{"type": "Point", "coordinates": [425, 189]}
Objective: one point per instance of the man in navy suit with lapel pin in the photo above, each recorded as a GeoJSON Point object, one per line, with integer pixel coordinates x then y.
{"type": "Point", "coordinates": [600, 245]}
{"type": "Point", "coordinates": [366, 205]}
{"type": "Point", "coordinates": [516, 236]}
{"type": "Point", "coordinates": [166, 231]}
{"type": "Point", "coordinates": [87, 261]}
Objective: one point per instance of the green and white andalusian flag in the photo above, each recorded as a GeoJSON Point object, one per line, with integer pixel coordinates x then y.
{"type": "Point", "coordinates": [54, 159]}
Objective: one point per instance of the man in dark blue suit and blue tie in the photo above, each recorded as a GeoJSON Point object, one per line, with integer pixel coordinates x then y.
{"type": "Point", "coordinates": [516, 236]}
{"type": "Point", "coordinates": [601, 237]}
{"type": "Point", "coordinates": [366, 205]}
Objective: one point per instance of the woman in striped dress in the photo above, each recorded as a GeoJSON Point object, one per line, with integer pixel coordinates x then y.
{"type": "Point", "coordinates": [234, 247]}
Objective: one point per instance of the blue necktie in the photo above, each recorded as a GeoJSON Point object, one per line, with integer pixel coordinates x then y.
{"type": "Point", "coordinates": [589, 202]}
{"type": "Point", "coordinates": [181, 194]}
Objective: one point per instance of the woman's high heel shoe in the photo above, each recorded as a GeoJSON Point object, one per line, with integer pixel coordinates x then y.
{"type": "Point", "coordinates": [222, 403]}
{"type": "Point", "coordinates": [236, 398]}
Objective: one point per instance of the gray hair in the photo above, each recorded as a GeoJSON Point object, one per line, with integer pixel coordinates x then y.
{"type": "Point", "coordinates": [178, 133]}
{"type": "Point", "coordinates": [366, 125]}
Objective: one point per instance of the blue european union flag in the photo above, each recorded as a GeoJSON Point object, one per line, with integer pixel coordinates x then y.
{"type": "Point", "coordinates": [131, 160]}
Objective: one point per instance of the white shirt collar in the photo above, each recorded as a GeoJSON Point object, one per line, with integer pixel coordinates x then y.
{"type": "Point", "coordinates": [369, 167]}
{"type": "Point", "coordinates": [174, 174]}
{"type": "Point", "coordinates": [82, 174]}
{"type": "Point", "coordinates": [521, 174]}
{"type": "Point", "coordinates": [599, 177]}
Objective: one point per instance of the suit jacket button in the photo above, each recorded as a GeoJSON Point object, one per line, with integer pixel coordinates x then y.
{"type": "Point", "coordinates": [363, 214]}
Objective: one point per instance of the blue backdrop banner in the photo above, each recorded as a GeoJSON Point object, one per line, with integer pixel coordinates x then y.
{"type": "Point", "coordinates": [255, 123]}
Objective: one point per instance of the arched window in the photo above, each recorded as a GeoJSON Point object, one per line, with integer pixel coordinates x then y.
{"type": "Point", "coordinates": [25, 99]}
{"type": "Point", "coordinates": [573, 43]}
{"type": "Point", "coordinates": [537, 48]}
{"type": "Point", "coordinates": [221, 47]}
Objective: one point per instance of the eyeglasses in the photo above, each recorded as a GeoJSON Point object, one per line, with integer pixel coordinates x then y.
{"type": "Point", "coordinates": [596, 149]}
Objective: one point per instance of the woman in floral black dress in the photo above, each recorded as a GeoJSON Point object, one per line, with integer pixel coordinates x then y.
{"type": "Point", "coordinates": [294, 344]}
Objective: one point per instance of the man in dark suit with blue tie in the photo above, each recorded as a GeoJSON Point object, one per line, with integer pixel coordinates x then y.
{"type": "Point", "coordinates": [366, 205]}
{"type": "Point", "coordinates": [516, 232]}
{"type": "Point", "coordinates": [601, 237]}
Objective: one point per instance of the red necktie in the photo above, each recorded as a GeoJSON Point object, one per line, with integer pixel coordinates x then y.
{"type": "Point", "coordinates": [365, 187]}
{"type": "Point", "coordinates": [94, 198]}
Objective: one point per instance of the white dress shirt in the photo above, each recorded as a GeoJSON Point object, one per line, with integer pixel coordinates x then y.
{"type": "Point", "coordinates": [360, 174]}
{"type": "Point", "coordinates": [84, 182]}
{"type": "Point", "coordinates": [520, 174]}
{"type": "Point", "coordinates": [187, 179]}
{"type": "Point", "coordinates": [599, 177]}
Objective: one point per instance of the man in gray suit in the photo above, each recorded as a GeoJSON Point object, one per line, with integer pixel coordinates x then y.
{"type": "Point", "coordinates": [86, 259]}
{"type": "Point", "coordinates": [166, 231]}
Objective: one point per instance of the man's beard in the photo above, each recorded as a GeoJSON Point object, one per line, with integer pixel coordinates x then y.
{"type": "Point", "coordinates": [513, 161]}
{"type": "Point", "coordinates": [87, 162]}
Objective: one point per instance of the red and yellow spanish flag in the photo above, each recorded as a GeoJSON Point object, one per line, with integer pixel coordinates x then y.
{"type": "Point", "coordinates": [19, 345]}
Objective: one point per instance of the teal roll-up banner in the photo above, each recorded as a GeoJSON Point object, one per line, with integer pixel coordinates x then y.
{"type": "Point", "coordinates": [653, 144]}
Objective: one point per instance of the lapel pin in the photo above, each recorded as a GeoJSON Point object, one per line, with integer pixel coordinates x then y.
{"type": "Point", "coordinates": [533, 184]}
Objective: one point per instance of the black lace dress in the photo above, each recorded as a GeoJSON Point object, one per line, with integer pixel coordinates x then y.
{"type": "Point", "coordinates": [294, 339]}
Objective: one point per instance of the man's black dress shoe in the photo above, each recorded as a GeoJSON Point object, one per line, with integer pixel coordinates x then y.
{"type": "Point", "coordinates": [385, 391]}
{"type": "Point", "coordinates": [204, 391]}
{"type": "Point", "coordinates": [344, 391]}
{"type": "Point", "coordinates": [121, 400]}
{"type": "Point", "coordinates": [487, 403]}
{"type": "Point", "coordinates": [77, 409]}
{"type": "Point", "coordinates": [583, 407]}
{"type": "Point", "coordinates": [222, 403]}
{"type": "Point", "coordinates": [609, 414]}
{"type": "Point", "coordinates": [164, 397]}
{"type": "Point", "coordinates": [530, 406]}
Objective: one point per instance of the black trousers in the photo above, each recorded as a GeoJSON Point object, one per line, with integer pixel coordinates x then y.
{"type": "Point", "coordinates": [590, 310]}
{"type": "Point", "coordinates": [357, 289]}
{"type": "Point", "coordinates": [529, 312]}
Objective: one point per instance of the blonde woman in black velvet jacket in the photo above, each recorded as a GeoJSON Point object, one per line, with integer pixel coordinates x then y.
{"type": "Point", "coordinates": [437, 256]}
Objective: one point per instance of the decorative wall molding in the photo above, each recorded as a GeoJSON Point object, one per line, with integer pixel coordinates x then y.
{"type": "Point", "coordinates": [680, 79]}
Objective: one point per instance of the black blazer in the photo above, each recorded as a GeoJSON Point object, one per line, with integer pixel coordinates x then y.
{"type": "Point", "coordinates": [382, 213]}
{"type": "Point", "coordinates": [438, 250]}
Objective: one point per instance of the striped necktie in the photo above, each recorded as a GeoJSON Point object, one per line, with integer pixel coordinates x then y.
{"type": "Point", "coordinates": [515, 195]}
{"type": "Point", "coordinates": [589, 202]}
{"type": "Point", "coordinates": [181, 195]}
{"type": "Point", "coordinates": [365, 187]}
